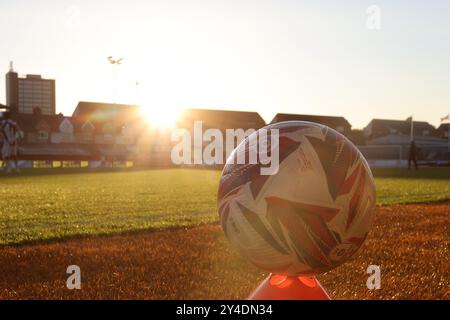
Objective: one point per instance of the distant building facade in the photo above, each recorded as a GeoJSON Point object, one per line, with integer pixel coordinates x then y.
{"type": "Point", "coordinates": [339, 124]}
{"type": "Point", "coordinates": [388, 140]}
{"type": "Point", "coordinates": [221, 119]}
{"type": "Point", "coordinates": [24, 94]}
{"type": "Point", "coordinates": [108, 135]}
{"type": "Point", "coordinates": [382, 127]}
{"type": "Point", "coordinates": [97, 132]}
{"type": "Point", "coordinates": [245, 122]}
{"type": "Point", "coordinates": [444, 130]}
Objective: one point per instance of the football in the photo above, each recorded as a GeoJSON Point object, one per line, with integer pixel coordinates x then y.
{"type": "Point", "coordinates": [312, 214]}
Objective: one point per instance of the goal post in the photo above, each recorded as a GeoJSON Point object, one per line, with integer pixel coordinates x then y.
{"type": "Point", "coordinates": [384, 155]}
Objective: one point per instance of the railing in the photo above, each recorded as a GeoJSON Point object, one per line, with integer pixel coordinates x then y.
{"type": "Point", "coordinates": [397, 155]}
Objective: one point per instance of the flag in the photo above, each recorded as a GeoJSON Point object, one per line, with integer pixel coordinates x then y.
{"type": "Point", "coordinates": [447, 117]}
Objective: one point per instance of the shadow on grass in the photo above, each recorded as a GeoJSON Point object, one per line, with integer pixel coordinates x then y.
{"type": "Point", "coordinates": [441, 173]}
{"type": "Point", "coordinates": [102, 234]}
{"type": "Point", "coordinates": [68, 171]}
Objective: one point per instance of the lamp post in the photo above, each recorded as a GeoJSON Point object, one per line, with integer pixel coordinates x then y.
{"type": "Point", "coordinates": [114, 63]}
{"type": "Point", "coordinates": [136, 83]}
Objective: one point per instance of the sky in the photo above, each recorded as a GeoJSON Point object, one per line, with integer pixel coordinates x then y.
{"type": "Point", "coordinates": [291, 56]}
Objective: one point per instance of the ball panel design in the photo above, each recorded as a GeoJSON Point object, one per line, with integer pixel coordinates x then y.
{"type": "Point", "coordinates": [310, 216]}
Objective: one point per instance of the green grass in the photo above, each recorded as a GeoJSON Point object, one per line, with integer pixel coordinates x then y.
{"type": "Point", "coordinates": [411, 186]}
{"type": "Point", "coordinates": [55, 206]}
{"type": "Point", "coordinates": [48, 206]}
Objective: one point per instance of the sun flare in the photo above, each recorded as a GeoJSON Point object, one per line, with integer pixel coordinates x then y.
{"type": "Point", "coordinates": [163, 118]}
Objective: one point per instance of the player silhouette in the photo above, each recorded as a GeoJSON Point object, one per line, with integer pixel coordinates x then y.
{"type": "Point", "coordinates": [8, 131]}
{"type": "Point", "coordinates": [412, 155]}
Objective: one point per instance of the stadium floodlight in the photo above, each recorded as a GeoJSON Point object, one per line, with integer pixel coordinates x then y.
{"type": "Point", "coordinates": [114, 63]}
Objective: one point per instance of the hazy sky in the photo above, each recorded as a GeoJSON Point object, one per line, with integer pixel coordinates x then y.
{"type": "Point", "coordinates": [312, 57]}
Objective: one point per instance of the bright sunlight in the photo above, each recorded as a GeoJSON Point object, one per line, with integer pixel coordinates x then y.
{"type": "Point", "coordinates": [163, 118]}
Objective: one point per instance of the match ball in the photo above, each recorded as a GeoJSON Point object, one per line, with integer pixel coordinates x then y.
{"type": "Point", "coordinates": [312, 214]}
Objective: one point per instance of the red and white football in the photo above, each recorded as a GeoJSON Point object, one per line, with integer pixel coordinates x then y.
{"type": "Point", "coordinates": [310, 216]}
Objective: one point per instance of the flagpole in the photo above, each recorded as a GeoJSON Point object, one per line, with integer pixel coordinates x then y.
{"type": "Point", "coordinates": [448, 134]}
{"type": "Point", "coordinates": [447, 117]}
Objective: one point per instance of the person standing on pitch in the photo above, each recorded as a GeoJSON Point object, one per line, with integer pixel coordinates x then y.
{"type": "Point", "coordinates": [8, 130]}
{"type": "Point", "coordinates": [412, 155]}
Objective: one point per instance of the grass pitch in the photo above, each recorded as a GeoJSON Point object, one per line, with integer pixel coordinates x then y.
{"type": "Point", "coordinates": [409, 243]}
{"type": "Point", "coordinates": [35, 207]}
{"type": "Point", "coordinates": [412, 186]}
{"type": "Point", "coordinates": [59, 205]}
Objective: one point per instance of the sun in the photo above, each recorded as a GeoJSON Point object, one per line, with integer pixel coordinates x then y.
{"type": "Point", "coordinates": [162, 118]}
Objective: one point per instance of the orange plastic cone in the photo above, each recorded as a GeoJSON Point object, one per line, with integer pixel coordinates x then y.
{"type": "Point", "coordinates": [279, 287]}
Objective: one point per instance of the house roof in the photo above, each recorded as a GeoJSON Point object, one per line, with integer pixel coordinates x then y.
{"type": "Point", "coordinates": [78, 123]}
{"type": "Point", "coordinates": [404, 139]}
{"type": "Point", "coordinates": [444, 127]}
{"type": "Point", "coordinates": [331, 121]}
{"type": "Point", "coordinates": [100, 114]}
{"type": "Point", "coordinates": [89, 109]}
{"type": "Point", "coordinates": [30, 122]}
{"type": "Point", "coordinates": [386, 125]}
{"type": "Point", "coordinates": [221, 119]}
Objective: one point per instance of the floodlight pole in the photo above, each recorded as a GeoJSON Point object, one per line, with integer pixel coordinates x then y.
{"type": "Point", "coordinates": [114, 83]}
{"type": "Point", "coordinates": [137, 91]}
{"type": "Point", "coordinates": [114, 63]}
